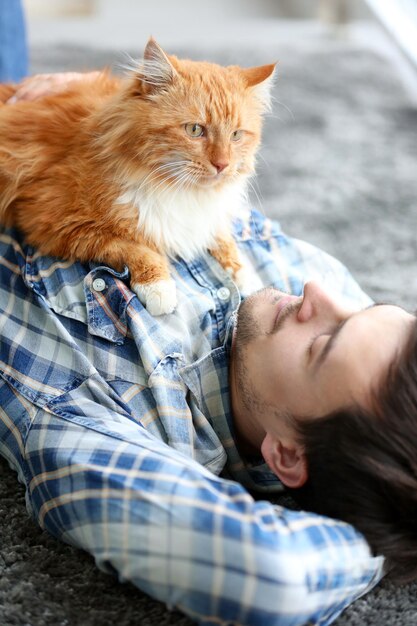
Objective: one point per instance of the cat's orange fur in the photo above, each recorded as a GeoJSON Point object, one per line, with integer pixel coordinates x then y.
{"type": "Point", "coordinates": [71, 163]}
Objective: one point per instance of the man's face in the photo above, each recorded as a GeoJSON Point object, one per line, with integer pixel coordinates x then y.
{"type": "Point", "coordinates": [307, 357]}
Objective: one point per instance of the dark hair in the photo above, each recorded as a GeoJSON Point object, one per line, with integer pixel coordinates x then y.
{"type": "Point", "coordinates": [363, 466]}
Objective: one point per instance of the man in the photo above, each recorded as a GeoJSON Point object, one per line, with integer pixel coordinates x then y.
{"type": "Point", "coordinates": [124, 432]}
{"type": "Point", "coordinates": [119, 425]}
{"type": "Point", "coordinates": [330, 398]}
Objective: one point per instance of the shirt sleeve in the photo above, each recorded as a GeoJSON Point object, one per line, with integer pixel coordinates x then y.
{"type": "Point", "coordinates": [186, 537]}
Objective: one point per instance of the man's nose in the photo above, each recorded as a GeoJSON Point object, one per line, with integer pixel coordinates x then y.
{"type": "Point", "coordinates": [318, 302]}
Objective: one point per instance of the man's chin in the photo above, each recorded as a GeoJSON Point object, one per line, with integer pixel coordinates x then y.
{"type": "Point", "coordinates": [248, 327]}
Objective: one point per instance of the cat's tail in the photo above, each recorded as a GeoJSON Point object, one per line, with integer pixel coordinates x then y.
{"type": "Point", "coordinates": [7, 90]}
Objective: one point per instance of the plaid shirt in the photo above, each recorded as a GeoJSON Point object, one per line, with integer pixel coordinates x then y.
{"type": "Point", "coordinates": [119, 425]}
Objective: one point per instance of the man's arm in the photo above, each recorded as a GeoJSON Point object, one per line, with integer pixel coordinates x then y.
{"type": "Point", "coordinates": [184, 536]}
{"type": "Point", "coordinates": [40, 85]}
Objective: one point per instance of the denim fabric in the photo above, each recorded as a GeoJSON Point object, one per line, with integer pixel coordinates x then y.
{"type": "Point", "coordinates": [13, 45]}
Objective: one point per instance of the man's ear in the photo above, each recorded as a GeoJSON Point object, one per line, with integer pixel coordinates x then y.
{"type": "Point", "coordinates": [286, 459]}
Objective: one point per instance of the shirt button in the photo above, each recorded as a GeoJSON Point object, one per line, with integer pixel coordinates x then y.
{"type": "Point", "coordinates": [99, 284]}
{"type": "Point", "coordinates": [223, 293]}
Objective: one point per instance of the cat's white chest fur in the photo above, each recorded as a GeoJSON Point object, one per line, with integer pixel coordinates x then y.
{"type": "Point", "coordinates": [182, 223]}
{"type": "Point", "coordinates": [185, 223]}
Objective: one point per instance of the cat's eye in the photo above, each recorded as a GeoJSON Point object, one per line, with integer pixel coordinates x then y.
{"type": "Point", "coordinates": [194, 130]}
{"type": "Point", "coordinates": [236, 135]}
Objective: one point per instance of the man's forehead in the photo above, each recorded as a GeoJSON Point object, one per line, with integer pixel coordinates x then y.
{"type": "Point", "coordinates": [368, 344]}
{"type": "Point", "coordinates": [381, 315]}
{"type": "Point", "coordinates": [379, 318]}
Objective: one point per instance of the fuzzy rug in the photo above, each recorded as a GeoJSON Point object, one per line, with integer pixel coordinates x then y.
{"type": "Point", "coordinates": [338, 167]}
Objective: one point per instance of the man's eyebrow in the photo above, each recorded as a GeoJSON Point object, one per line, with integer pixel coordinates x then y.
{"type": "Point", "coordinates": [333, 338]}
{"type": "Point", "coordinates": [330, 344]}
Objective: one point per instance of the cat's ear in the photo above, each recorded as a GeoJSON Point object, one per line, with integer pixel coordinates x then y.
{"type": "Point", "coordinates": [154, 73]}
{"type": "Point", "coordinates": [260, 80]}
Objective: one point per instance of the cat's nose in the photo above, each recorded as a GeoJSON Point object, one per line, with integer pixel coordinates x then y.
{"type": "Point", "coordinates": [220, 165]}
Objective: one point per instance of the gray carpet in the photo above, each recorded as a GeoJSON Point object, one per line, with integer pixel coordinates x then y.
{"type": "Point", "coordinates": [338, 167]}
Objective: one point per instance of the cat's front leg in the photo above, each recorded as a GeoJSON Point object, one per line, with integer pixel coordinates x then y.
{"type": "Point", "coordinates": [151, 281]}
{"type": "Point", "coordinates": [149, 274]}
{"type": "Point", "coordinates": [159, 297]}
{"type": "Point", "coordinates": [227, 254]}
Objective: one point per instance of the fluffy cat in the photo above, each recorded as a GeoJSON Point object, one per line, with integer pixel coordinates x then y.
{"type": "Point", "coordinates": [135, 171]}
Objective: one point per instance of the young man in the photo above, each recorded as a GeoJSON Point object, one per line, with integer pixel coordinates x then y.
{"type": "Point", "coordinates": [330, 398]}
{"type": "Point", "coordinates": [120, 424]}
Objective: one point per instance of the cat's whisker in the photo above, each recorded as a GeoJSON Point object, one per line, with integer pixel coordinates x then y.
{"type": "Point", "coordinates": [170, 177]}
{"type": "Point", "coordinates": [261, 156]}
{"type": "Point", "coordinates": [166, 166]}
{"type": "Point", "coordinates": [252, 186]}
{"type": "Point", "coordinates": [284, 106]}
{"type": "Point", "coordinates": [156, 182]}
{"type": "Point", "coordinates": [255, 185]}
{"type": "Point", "coordinates": [185, 181]}
{"type": "Point", "coordinates": [260, 208]}
{"type": "Point", "coordinates": [178, 178]}
{"type": "Point", "coordinates": [173, 170]}
{"type": "Point", "coordinates": [164, 181]}
{"type": "Point", "coordinates": [173, 194]}
{"type": "Point", "coordinates": [192, 179]}
{"type": "Point", "coordinates": [169, 168]}
{"type": "Point", "coordinates": [180, 183]}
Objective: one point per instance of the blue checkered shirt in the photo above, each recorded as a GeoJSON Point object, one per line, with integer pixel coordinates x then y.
{"type": "Point", "coordinates": [119, 426]}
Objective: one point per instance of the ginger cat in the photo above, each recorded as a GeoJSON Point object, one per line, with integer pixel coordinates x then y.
{"type": "Point", "coordinates": [135, 171]}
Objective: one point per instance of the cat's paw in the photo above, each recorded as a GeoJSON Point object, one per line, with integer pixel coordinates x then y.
{"type": "Point", "coordinates": [247, 281]}
{"type": "Point", "coordinates": [159, 297]}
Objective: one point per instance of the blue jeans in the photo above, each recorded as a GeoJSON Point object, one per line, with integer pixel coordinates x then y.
{"type": "Point", "coordinates": [13, 47]}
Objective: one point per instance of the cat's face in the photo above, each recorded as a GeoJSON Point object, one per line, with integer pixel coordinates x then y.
{"type": "Point", "coordinates": [200, 124]}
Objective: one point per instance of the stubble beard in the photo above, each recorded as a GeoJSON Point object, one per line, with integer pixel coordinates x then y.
{"type": "Point", "coordinates": [247, 329]}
